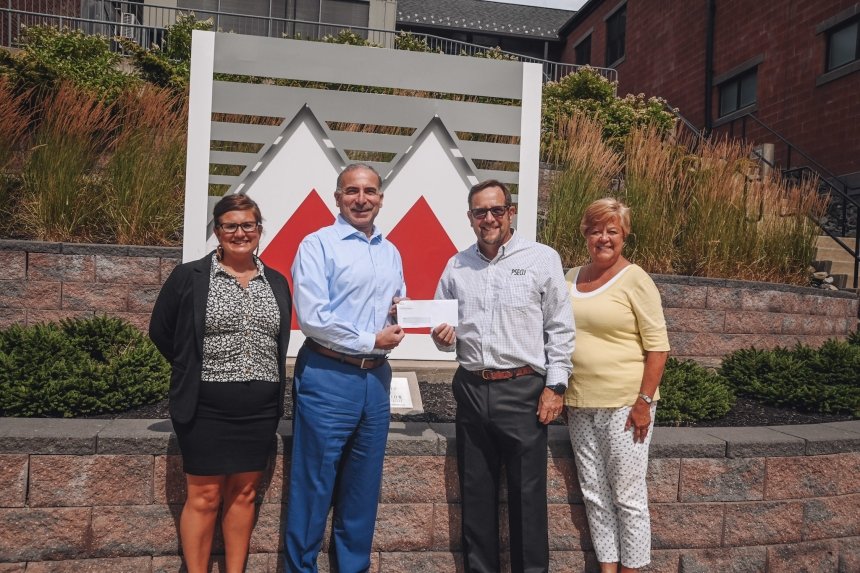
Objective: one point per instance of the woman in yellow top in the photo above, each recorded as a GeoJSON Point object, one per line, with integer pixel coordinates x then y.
{"type": "Point", "coordinates": [621, 350]}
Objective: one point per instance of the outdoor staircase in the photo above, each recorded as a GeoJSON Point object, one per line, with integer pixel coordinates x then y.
{"type": "Point", "coordinates": [835, 260]}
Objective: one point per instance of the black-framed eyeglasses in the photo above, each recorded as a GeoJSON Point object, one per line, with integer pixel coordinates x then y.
{"type": "Point", "coordinates": [481, 212]}
{"type": "Point", "coordinates": [247, 226]}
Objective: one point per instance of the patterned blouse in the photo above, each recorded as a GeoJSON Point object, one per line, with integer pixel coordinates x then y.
{"type": "Point", "coordinates": [240, 340]}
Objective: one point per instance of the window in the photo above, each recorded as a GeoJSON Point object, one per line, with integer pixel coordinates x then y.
{"type": "Point", "coordinates": [843, 45]}
{"type": "Point", "coordinates": [615, 33]}
{"type": "Point", "coordinates": [582, 52]}
{"type": "Point", "coordinates": [738, 92]}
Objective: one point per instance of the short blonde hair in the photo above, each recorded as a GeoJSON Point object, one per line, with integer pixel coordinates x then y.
{"type": "Point", "coordinates": [603, 211]}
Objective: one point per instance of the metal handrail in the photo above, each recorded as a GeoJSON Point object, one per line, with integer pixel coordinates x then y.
{"type": "Point", "coordinates": [817, 171]}
{"type": "Point", "coordinates": [277, 27]}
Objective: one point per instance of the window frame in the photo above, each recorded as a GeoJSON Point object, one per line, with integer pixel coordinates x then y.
{"type": "Point", "coordinates": [844, 19]}
{"type": "Point", "coordinates": [584, 41]}
{"type": "Point", "coordinates": [735, 75]}
{"type": "Point", "coordinates": [619, 42]}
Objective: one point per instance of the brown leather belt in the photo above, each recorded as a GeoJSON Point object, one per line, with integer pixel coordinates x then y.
{"type": "Point", "coordinates": [507, 374]}
{"type": "Point", "coordinates": [365, 362]}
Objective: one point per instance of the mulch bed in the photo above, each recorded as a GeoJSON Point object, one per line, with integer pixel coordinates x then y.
{"type": "Point", "coordinates": [439, 407]}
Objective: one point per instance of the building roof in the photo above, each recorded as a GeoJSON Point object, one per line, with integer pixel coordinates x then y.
{"type": "Point", "coordinates": [483, 16]}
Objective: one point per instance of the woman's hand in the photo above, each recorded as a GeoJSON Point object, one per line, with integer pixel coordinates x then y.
{"type": "Point", "coordinates": [640, 420]}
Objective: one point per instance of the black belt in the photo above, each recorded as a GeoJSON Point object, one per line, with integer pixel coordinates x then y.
{"type": "Point", "coordinates": [503, 374]}
{"type": "Point", "coordinates": [363, 362]}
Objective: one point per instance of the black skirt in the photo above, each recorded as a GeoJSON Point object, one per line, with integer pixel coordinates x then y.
{"type": "Point", "coordinates": [233, 429]}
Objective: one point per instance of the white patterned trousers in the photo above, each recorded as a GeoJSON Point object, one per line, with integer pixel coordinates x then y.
{"type": "Point", "coordinates": [612, 471]}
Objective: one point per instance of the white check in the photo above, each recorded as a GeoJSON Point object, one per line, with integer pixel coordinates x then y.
{"type": "Point", "coordinates": [426, 313]}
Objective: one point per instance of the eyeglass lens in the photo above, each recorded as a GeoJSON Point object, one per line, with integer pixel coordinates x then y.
{"type": "Point", "coordinates": [248, 227]}
{"type": "Point", "coordinates": [481, 212]}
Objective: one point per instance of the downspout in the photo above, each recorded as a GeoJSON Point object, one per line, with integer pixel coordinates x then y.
{"type": "Point", "coordinates": [709, 64]}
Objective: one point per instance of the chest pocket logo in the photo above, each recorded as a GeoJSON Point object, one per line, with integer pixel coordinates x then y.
{"type": "Point", "coordinates": [517, 290]}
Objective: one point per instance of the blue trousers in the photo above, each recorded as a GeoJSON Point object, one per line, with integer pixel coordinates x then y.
{"type": "Point", "coordinates": [340, 428]}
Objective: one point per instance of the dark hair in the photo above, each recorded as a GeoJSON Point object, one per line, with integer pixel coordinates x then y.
{"type": "Point", "coordinates": [352, 167]}
{"type": "Point", "coordinates": [235, 202]}
{"type": "Point", "coordinates": [478, 187]}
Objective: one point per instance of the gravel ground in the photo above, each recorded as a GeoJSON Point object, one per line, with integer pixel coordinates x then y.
{"type": "Point", "coordinates": [439, 407]}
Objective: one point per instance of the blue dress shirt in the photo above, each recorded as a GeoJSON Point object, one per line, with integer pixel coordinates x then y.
{"type": "Point", "coordinates": [343, 284]}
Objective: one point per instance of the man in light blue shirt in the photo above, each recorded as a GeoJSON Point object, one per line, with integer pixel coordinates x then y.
{"type": "Point", "coordinates": [345, 279]}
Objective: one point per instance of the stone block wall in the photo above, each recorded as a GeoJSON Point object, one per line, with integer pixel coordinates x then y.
{"type": "Point", "coordinates": [105, 496]}
{"type": "Point", "coordinates": [44, 282]}
{"type": "Point", "coordinates": [707, 318]}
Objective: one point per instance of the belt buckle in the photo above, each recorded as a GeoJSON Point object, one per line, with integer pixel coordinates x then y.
{"type": "Point", "coordinates": [361, 366]}
{"type": "Point", "coordinates": [484, 374]}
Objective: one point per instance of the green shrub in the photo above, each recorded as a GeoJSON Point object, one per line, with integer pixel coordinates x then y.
{"type": "Point", "coordinates": [170, 65]}
{"type": "Point", "coordinates": [825, 380]}
{"type": "Point", "coordinates": [78, 367]}
{"type": "Point", "coordinates": [411, 43]}
{"type": "Point", "coordinates": [692, 393]}
{"type": "Point", "coordinates": [587, 92]}
{"type": "Point", "coordinates": [52, 55]}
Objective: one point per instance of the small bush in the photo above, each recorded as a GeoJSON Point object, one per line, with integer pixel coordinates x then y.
{"type": "Point", "coordinates": [825, 380]}
{"type": "Point", "coordinates": [78, 367]}
{"type": "Point", "coordinates": [52, 56]}
{"type": "Point", "coordinates": [692, 393]}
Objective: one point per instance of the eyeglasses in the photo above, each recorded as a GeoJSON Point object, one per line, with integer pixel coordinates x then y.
{"type": "Point", "coordinates": [481, 212]}
{"type": "Point", "coordinates": [248, 227]}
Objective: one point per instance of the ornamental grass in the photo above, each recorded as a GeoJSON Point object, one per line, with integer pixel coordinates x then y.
{"type": "Point", "coordinates": [712, 212]}
{"type": "Point", "coordinates": [145, 173]}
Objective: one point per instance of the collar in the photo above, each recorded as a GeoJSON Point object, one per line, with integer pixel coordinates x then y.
{"type": "Point", "coordinates": [344, 230]}
{"type": "Point", "coordinates": [217, 268]}
{"type": "Point", "coordinates": [509, 245]}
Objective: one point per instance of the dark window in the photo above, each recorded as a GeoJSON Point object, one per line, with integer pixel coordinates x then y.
{"type": "Point", "coordinates": [843, 45]}
{"type": "Point", "coordinates": [738, 92]}
{"type": "Point", "coordinates": [615, 32]}
{"type": "Point", "coordinates": [583, 52]}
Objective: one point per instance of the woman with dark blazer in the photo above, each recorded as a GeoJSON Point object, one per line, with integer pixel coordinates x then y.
{"type": "Point", "coordinates": [223, 323]}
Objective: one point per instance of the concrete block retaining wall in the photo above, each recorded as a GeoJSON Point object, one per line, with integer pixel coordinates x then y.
{"type": "Point", "coordinates": [105, 496]}
{"type": "Point", "coordinates": [707, 318]}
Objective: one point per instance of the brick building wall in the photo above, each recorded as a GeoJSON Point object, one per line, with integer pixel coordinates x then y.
{"type": "Point", "coordinates": [105, 495]}
{"type": "Point", "coordinates": [706, 318]}
{"type": "Point", "coordinates": [665, 56]}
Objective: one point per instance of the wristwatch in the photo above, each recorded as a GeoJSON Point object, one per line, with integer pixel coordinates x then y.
{"type": "Point", "coordinates": [646, 398]}
{"type": "Point", "coordinates": [559, 389]}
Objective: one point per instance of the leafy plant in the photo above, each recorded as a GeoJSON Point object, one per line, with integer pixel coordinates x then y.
{"type": "Point", "coordinates": [692, 393]}
{"type": "Point", "coordinates": [412, 43]}
{"type": "Point", "coordinates": [78, 367]}
{"type": "Point", "coordinates": [348, 37]}
{"type": "Point", "coordinates": [491, 54]}
{"type": "Point", "coordinates": [168, 65]}
{"type": "Point", "coordinates": [824, 380]}
{"type": "Point", "coordinates": [589, 93]}
{"type": "Point", "coordinates": [52, 56]}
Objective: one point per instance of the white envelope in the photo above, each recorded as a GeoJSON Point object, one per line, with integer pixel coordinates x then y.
{"type": "Point", "coordinates": [426, 313]}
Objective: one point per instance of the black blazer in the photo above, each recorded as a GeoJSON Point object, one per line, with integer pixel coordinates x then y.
{"type": "Point", "coordinates": [177, 324]}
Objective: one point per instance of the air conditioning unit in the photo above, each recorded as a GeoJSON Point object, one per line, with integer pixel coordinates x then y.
{"type": "Point", "coordinates": [127, 30]}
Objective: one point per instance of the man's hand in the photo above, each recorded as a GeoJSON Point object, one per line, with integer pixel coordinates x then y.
{"type": "Point", "coordinates": [550, 406]}
{"type": "Point", "coordinates": [443, 335]}
{"type": "Point", "coordinates": [392, 312]}
{"type": "Point", "coordinates": [389, 337]}
{"type": "Point", "coordinates": [640, 420]}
